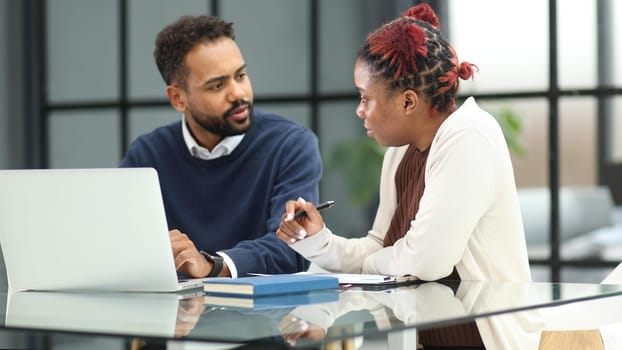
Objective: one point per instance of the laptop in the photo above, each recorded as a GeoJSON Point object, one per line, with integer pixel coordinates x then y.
{"type": "Point", "coordinates": [86, 229]}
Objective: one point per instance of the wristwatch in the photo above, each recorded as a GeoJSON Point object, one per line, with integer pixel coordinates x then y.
{"type": "Point", "coordinates": [214, 259]}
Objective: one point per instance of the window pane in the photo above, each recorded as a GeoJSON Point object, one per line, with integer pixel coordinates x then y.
{"type": "Point", "coordinates": [540, 273]}
{"type": "Point", "coordinates": [144, 120]}
{"type": "Point", "coordinates": [339, 126]}
{"type": "Point", "coordinates": [84, 139]}
{"type": "Point", "coordinates": [83, 53]}
{"type": "Point", "coordinates": [6, 88]}
{"type": "Point", "coordinates": [273, 36]}
{"type": "Point", "coordinates": [577, 135]}
{"type": "Point", "coordinates": [530, 167]}
{"type": "Point", "coordinates": [511, 53]}
{"type": "Point", "coordinates": [615, 132]}
{"type": "Point", "coordinates": [576, 44]}
{"type": "Point", "coordinates": [612, 154]}
{"type": "Point", "coordinates": [146, 19]}
{"type": "Point", "coordinates": [616, 40]}
{"type": "Point", "coordinates": [344, 25]}
{"type": "Point", "coordinates": [298, 112]}
{"type": "Point", "coordinates": [589, 226]}
{"type": "Point", "coordinates": [584, 275]}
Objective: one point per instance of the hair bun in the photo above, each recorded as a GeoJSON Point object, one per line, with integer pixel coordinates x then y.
{"type": "Point", "coordinates": [424, 12]}
{"type": "Point", "coordinates": [466, 70]}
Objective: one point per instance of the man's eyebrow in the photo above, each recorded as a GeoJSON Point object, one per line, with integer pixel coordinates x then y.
{"type": "Point", "coordinates": [223, 77]}
{"type": "Point", "coordinates": [215, 79]}
{"type": "Point", "coordinates": [243, 67]}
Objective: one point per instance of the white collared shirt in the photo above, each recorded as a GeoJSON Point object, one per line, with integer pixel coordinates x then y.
{"type": "Point", "coordinates": [223, 148]}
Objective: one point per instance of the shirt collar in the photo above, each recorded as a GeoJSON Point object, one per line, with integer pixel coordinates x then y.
{"type": "Point", "coordinates": [223, 148]}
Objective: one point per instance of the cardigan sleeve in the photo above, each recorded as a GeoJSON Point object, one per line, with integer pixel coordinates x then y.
{"type": "Point", "coordinates": [335, 253]}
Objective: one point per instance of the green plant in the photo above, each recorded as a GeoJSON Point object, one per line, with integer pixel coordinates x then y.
{"type": "Point", "coordinates": [512, 126]}
{"type": "Point", "coordinates": [359, 160]}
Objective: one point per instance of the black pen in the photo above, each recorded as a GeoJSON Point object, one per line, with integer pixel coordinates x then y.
{"type": "Point", "coordinates": [320, 206]}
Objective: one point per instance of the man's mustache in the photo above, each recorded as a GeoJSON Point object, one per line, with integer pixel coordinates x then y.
{"type": "Point", "coordinates": [237, 105]}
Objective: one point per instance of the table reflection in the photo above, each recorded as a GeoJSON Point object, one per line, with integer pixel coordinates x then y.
{"type": "Point", "coordinates": [501, 315]}
{"type": "Point", "coordinates": [443, 313]}
{"type": "Point", "coordinates": [140, 314]}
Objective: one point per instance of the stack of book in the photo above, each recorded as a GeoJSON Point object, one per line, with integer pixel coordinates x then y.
{"type": "Point", "coordinates": [271, 291]}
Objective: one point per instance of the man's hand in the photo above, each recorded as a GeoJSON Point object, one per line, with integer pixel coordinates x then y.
{"type": "Point", "coordinates": [187, 256]}
{"type": "Point", "coordinates": [188, 314]}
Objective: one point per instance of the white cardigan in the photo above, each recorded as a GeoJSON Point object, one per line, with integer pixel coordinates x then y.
{"type": "Point", "coordinates": [468, 217]}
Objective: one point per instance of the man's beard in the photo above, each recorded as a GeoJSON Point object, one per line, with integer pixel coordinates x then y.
{"type": "Point", "coordinates": [222, 125]}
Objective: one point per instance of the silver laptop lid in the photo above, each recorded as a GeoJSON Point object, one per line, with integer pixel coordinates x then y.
{"type": "Point", "coordinates": [98, 229]}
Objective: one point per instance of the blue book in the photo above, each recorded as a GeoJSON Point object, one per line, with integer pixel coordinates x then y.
{"type": "Point", "coordinates": [269, 284]}
{"type": "Point", "coordinates": [270, 302]}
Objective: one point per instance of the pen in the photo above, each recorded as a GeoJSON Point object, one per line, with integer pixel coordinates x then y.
{"type": "Point", "coordinates": [320, 206]}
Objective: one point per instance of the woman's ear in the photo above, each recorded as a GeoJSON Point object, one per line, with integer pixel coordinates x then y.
{"type": "Point", "coordinates": [410, 101]}
{"type": "Point", "coordinates": [176, 97]}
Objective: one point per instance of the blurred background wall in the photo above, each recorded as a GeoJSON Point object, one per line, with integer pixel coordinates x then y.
{"type": "Point", "coordinates": [78, 84]}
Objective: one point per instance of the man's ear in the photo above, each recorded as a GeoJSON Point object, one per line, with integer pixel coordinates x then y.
{"type": "Point", "coordinates": [410, 101]}
{"type": "Point", "coordinates": [176, 96]}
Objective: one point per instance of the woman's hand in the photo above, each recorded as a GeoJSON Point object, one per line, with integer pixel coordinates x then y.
{"type": "Point", "coordinates": [294, 329]}
{"type": "Point", "coordinates": [292, 229]}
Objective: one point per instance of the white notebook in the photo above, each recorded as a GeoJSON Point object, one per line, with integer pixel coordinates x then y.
{"type": "Point", "coordinates": [372, 279]}
{"type": "Point", "coordinates": [86, 229]}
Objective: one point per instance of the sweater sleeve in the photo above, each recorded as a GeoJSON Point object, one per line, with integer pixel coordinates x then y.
{"type": "Point", "coordinates": [136, 156]}
{"type": "Point", "coordinates": [299, 173]}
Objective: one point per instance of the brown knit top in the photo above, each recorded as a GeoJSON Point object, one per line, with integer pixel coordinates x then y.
{"type": "Point", "coordinates": [410, 183]}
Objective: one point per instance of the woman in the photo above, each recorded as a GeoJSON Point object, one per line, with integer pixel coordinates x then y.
{"type": "Point", "coordinates": [448, 200]}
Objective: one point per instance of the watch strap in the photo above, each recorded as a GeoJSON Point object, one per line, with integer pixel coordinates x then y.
{"type": "Point", "coordinates": [216, 260]}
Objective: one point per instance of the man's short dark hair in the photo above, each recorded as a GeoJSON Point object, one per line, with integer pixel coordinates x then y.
{"type": "Point", "coordinates": [176, 39]}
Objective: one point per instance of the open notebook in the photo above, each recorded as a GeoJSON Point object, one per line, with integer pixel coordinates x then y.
{"type": "Point", "coordinates": [86, 229]}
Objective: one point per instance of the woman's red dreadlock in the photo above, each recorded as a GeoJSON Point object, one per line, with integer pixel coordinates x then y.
{"type": "Point", "coordinates": [424, 12]}
{"type": "Point", "coordinates": [399, 43]}
{"type": "Point", "coordinates": [463, 70]}
{"type": "Point", "coordinates": [411, 53]}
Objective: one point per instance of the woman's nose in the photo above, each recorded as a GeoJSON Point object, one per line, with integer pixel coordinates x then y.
{"type": "Point", "coordinates": [359, 111]}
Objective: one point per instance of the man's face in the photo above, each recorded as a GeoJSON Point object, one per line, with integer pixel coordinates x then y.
{"type": "Point", "coordinates": [218, 95]}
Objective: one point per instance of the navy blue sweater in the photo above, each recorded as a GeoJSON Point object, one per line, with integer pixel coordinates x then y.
{"type": "Point", "coordinates": [234, 203]}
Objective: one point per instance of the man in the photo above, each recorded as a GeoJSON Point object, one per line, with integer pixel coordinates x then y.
{"type": "Point", "coordinates": [225, 170]}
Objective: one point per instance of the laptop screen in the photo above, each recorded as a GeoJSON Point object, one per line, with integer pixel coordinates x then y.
{"type": "Point", "coordinates": [100, 229]}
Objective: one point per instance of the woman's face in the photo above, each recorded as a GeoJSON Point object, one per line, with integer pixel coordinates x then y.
{"type": "Point", "coordinates": [379, 108]}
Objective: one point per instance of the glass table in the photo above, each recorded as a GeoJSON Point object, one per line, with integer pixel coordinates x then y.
{"type": "Point", "coordinates": [504, 313]}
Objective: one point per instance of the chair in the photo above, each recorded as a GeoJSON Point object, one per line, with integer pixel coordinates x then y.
{"type": "Point", "coordinates": [583, 211]}
{"type": "Point", "coordinates": [570, 340]}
